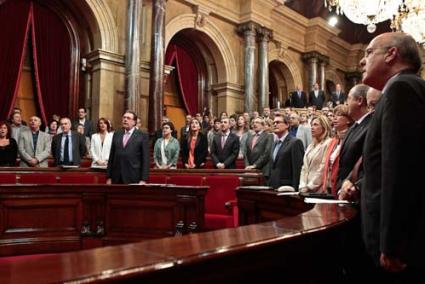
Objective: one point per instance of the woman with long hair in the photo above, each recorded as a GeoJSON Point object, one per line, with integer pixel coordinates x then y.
{"type": "Point", "coordinates": [241, 130]}
{"type": "Point", "coordinates": [8, 146]}
{"type": "Point", "coordinates": [194, 147]}
{"type": "Point", "coordinates": [311, 177]}
{"type": "Point", "coordinates": [101, 143]}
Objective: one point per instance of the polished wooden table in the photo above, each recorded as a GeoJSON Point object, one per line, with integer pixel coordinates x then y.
{"type": "Point", "coordinates": [293, 249]}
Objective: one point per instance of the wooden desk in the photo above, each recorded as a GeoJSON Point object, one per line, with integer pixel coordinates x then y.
{"type": "Point", "coordinates": [58, 218]}
{"type": "Point", "coordinates": [293, 249]}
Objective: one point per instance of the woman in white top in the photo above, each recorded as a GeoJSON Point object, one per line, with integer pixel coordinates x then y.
{"type": "Point", "coordinates": [314, 158]}
{"type": "Point", "coordinates": [101, 143]}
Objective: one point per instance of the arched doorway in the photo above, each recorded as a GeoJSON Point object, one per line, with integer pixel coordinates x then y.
{"type": "Point", "coordinates": [49, 45]}
{"type": "Point", "coordinates": [188, 86]}
{"type": "Point", "coordinates": [278, 84]}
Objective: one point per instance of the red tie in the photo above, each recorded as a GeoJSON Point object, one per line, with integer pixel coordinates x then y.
{"type": "Point", "coordinates": [254, 140]}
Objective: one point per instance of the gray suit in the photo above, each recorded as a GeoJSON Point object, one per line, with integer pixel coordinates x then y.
{"type": "Point", "coordinates": [27, 151]}
{"type": "Point", "coordinates": [260, 154]}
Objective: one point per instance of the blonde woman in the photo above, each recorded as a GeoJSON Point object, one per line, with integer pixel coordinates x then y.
{"type": "Point", "coordinates": [311, 177]}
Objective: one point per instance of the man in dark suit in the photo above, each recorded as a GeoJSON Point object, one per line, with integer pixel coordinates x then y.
{"type": "Point", "coordinates": [352, 146]}
{"type": "Point", "coordinates": [82, 119]}
{"type": "Point", "coordinates": [258, 148]}
{"type": "Point", "coordinates": [316, 97]}
{"type": "Point", "coordinates": [298, 98]}
{"type": "Point", "coordinates": [69, 146]}
{"type": "Point", "coordinates": [338, 97]}
{"type": "Point", "coordinates": [129, 156]}
{"type": "Point", "coordinates": [286, 156]}
{"type": "Point", "coordinates": [392, 198]}
{"type": "Point", "coordinates": [185, 129]}
{"type": "Point", "coordinates": [225, 147]}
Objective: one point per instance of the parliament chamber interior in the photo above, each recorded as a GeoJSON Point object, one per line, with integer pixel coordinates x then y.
{"type": "Point", "coordinates": [195, 141]}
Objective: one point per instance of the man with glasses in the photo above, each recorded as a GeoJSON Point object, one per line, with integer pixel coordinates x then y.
{"type": "Point", "coordinates": [286, 156]}
{"type": "Point", "coordinates": [392, 194]}
{"type": "Point", "coordinates": [129, 156]}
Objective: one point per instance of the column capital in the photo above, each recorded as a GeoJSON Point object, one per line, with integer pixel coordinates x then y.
{"type": "Point", "coordinates": [264, 34]}
{"type": "Point", "coordinates": [323, 59]}
{"type": "Point", "coordinates": [311, 56]}
{"type": "Point", "coordinates": [247, 28]}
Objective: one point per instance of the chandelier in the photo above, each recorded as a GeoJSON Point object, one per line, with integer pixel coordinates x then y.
{"type": "Point", "coordinates": [366, 12]}
{"type": "Point", "coordinates": [410, 19]}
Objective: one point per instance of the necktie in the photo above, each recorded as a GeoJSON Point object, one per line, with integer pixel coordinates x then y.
{"type": "Point", "coordinates": [276, 149]}
{"type": "Point", "coordinates": [223, 141]}
{"type": "Point", "coordinates": [66, 151]}
{"type": "Point", "coordinates": [254, 140]}
{"type": "Point", "coordinates": [125, 138]}
{"type": "Point", "coordinates": [299, 95]}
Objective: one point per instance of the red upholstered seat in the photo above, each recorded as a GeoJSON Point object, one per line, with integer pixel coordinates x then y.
{"type": "Point", "coordinates": [158, 179]}
{"type": "Point", "coordinates": [187, 180]}
{"type": "Point", "coordinates": [7, 178]}
{"type": "Point", "coordinates": [240, 164]}
{"type": "Point", "coordinates": [38, 178]}
{"type": "Point", "coordinates": [101, 178]}
{"type": "Point", "coordinates": [85, 163]}
{"type": "Point", "coordinates": [221, 191]}
{"type": "Point", "coordinates": [78, 178]}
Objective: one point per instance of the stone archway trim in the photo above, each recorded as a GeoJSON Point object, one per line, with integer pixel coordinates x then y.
{"type": "Point", "coordinates": [224, 60]}
{"type": "Point", "coordinates": [290, 63]}
{"type": "Point", "coordinates": [107, 25]}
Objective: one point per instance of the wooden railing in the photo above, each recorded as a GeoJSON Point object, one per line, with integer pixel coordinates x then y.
{"type": "Point", "coordinates": [303, 245]}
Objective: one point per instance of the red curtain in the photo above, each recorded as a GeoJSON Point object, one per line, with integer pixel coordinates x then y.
{"type": "Point", "coordinates": [52, 62]}
{"type": "Point", "coordinates": [13, 40]}
{"type": "Point", "coordinates": [187, 75]}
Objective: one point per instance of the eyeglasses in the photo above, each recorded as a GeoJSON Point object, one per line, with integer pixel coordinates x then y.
{"type": "Point", "coordinates": [371, 50]}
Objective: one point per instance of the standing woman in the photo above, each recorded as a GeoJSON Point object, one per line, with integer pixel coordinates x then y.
{"type": "Point", "coordinates": [8, 146]}
{"type": "Point", "coordinates": [241, 130]}
{"type": "Point", "coordinates": [166, 149]}
{"type": "Point", "coordinates": [311, 177]}
{"type": "Point", "coordinates": [194, 147]}
{"type": "Point", "coordinates": [341, 122]}
{"type": "Point", "coordinates": [101, 143]}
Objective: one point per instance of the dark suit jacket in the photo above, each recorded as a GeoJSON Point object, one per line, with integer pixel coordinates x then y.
{"type": "Point", "coordinates": [319, 101]}
{"type": "Point", "coordinates": [352, 148]}
{"type": "Point", "coordinates": [286, 169]}
{"type": "Point", "coordinates": [298, 102]}
{"type": "Point", "coordinates": [335, 100]}
{"type": "Point", "coordinates": [260, 154]}
{"type": "Point", "coordinates": [393, 198]}
{"type": "Point", "coordinates": [129, 164]}
{"type": "Point", "coordinates": [201, 150]}
{"type": "Point", "coordinates": [89, 128]}
{"type": "Point", "coordinates": [78, 147]}
{"type": "Point", "coordinates": [183, 133]}
{"type": "Point", "coordinates": [228, 154]}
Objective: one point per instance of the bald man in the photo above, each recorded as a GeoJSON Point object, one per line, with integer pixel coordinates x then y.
{"type": "Point", "coordinates": [392, 195]}
{"type": "Point", "coordinates": [34, 145]}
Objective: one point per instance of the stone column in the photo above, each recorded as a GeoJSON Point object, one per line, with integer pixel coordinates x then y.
{"type": "Point", "coordinates": [323, 61]}
{"type": "Point", "coordinates": [156, 81]}
{"type": "Point", "coordinates": [264, 35]}
{"type": "Point", "coordinates": [248, 30]}
{"type": "Point", "coordinates": [132, 62]}
{"type": "Point", "coordinates": [312, 59]}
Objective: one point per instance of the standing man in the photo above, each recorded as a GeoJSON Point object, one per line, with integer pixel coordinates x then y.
{"type": "Point", "coordinates": [129, 156]}
{"type": "Point", "coordinates": [316, 97]}
{"type": "Point", "coordinates": [34, 145]}
{"type": "Point", "coordinates": [82, 119]}
{"type": "Point", "coordinates": [225, 147]}
{"type": "Point", "coordinates": [258, 148]}
{"type": "Point", "coordinates": [338, 97]}
{"type": "Point", "coordinates": [298, 98]}
{"type": "Point", "coordinates": [392, 198]}
{"type": "Point", "coordinates": [286, 156]}
{"type": "Point", "coordinates": [69, 146]}
{"type": "Point", "coordinates": [185, 129]}
{"type": "Point", "coordinates": [17, 126]}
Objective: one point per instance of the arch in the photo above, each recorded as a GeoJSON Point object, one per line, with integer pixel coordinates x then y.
{"type": "Point", "coordinates": [105, 33]}
{"type": "Point", "coordinates": [221, 50]}
{"type": "Point", "coordinates": [331, 75]}
{"type": "Point", "coordinates": [292, 72]}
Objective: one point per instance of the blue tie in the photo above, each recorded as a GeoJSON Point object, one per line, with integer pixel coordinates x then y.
{"type": "Point", "coordinates": [276, 149]}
